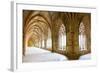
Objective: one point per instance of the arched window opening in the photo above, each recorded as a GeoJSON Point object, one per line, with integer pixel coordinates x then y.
{"type": "Point", "coordinates": [62, 38]}
{"type": "Point", "coordinates": [82, 37]}
{"type": "Point", "coordinates": [49, 41]}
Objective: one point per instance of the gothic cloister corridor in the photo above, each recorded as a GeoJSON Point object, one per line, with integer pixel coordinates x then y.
{"type": "Point", "coordinates": [56, 36]}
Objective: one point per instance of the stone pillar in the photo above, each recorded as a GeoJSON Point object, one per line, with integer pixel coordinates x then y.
{"type": "Point", "coordinates": [88, 43]}
{"type": "Point", "coordinates": [76, 44]}
{"type": "Point", "coordinates": [23, 46]}
{"type": "Point", "coordinates": [55, 41]}
{"type": "Point", "coordinates": [38, 44]}
{"type": "Point", "coordinates": [88, 37]}
{"type": "Point", "coordinates": [72, 43]}
{"type": "Point", "coordinates": [41, 42]}
{"type": "Point", "coordinates": [45, 43]}
{"type": "Point", "coordinates": [72, 50]}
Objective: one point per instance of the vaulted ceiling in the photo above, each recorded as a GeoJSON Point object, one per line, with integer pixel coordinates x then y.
{"type": "Point", "coordinates": [38, 23]}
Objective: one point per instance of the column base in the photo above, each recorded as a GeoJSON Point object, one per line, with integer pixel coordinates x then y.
{"type": "Point", "coordinates": [73, 56]}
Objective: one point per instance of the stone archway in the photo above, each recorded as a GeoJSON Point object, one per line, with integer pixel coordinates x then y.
{"type": "Point", "coordinates": [35, 23]}
{"type": "Point", "coordinates": [44, 26]}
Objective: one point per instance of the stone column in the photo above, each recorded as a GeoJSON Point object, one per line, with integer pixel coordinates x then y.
{"type": "Point", "coordinates": [88, 37]}
{"type": "Point", "coordinates": [41, 42]}
{"type": "Point", "coordinates": [88, 43]}
{"type": "Point", "coordinates": [76, 44]}
{"type": "Point", "coordinates": [23, 46]}
{"type": "Point", "coordinates": [72, 50]}
{"type": "Point", "coordinates": [72, 45]}
{"type": "Point", "coordinates": [45, 43]}
{"type": "Point", "coordinates": [55, 41]}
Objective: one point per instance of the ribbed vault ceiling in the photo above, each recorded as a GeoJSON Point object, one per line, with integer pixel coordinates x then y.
{"type": "Point", "coordinates": [37, 23]}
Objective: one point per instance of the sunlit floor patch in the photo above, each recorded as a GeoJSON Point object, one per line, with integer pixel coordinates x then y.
{"type": "Point", "coordinates": [85, 57]}
{"type": "Point", "coordinates": [41, 55]}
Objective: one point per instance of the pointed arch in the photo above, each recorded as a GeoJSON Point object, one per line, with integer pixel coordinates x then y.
{"type": "Point", "coordinates": [62, 37]}
{"type": "Point", "coordinates": [82, 37]}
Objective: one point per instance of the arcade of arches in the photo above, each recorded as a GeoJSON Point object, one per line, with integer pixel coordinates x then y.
{"type": "Point", "coordinates": [66, 33]}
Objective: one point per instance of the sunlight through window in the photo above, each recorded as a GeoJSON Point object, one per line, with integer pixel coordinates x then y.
{"type": "Point", "coordinates": [82, 37]}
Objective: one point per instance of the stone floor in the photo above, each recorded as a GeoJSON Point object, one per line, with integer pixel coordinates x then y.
{"type": "Point", "coordinates": [34, 54]}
